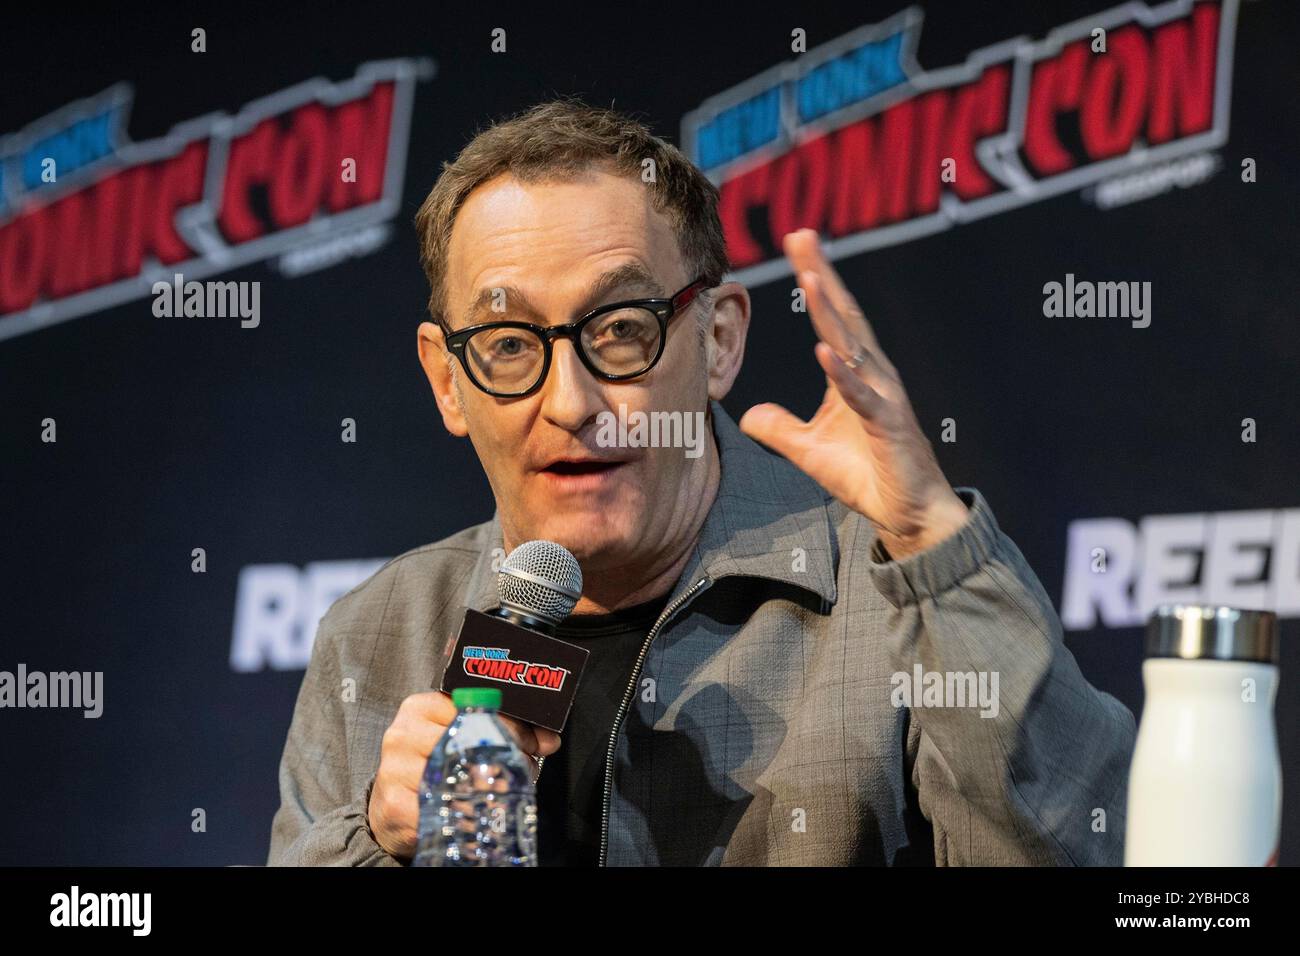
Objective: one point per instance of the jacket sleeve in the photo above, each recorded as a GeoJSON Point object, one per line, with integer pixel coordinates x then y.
{"type": "Point", "coordinates": [1039, 775]}
{"type": "Point", "coordinates": [322, 820]}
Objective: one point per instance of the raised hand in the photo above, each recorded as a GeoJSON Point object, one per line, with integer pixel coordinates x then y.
{"type": "Point", "coordinates": [864, 444]}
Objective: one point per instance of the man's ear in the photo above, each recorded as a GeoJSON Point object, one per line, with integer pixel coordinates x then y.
{"type": "Point", "coordinates": [727, 331]}
{"type": "Point", "coordinates": [437, 361]}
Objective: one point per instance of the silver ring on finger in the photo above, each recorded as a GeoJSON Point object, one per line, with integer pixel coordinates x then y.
{"type": "Point", "coordinates": [859, 357]}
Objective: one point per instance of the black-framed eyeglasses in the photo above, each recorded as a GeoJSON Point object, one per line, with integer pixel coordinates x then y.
{"type": "Point", "coordinates": [615, 342]}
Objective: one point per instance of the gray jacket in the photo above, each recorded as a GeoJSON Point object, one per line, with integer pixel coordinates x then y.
{"type": "Point", "coordinates": [770, 722]}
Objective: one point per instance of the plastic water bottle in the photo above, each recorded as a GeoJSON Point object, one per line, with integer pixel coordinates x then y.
{"type": "Point", "coordinates": [478, 806]}
{"type": "Point", "coordinates": [1205, 787]}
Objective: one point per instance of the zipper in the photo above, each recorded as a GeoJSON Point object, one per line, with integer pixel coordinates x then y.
{"type": "Point", "coordinates": [623, 709]}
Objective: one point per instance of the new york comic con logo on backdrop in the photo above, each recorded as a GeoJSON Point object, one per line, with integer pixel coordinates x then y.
{"type": "Point", "coordinates": [854, 138]}
{"type": "Point", "coordinates": [214, 193]}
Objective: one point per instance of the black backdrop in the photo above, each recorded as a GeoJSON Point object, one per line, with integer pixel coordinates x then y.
{"type": "Point", "coordinates": [181, 434]}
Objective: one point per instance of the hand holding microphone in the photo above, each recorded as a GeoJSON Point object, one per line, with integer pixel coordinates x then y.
{"type": "Point", "coordinates": [539, 584]}
{"type": "Point", "coordinates": [421, 721]}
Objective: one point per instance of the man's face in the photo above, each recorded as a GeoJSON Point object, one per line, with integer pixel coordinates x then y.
{"type": "Point", "coordinates": [548, 252]}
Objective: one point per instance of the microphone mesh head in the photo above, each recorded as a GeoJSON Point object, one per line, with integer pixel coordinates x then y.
{"type": "Point", "coordinates": [542, 579]}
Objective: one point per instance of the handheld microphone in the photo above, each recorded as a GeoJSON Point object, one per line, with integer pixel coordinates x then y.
{"type": "Point", "coordinates": [513, 648]}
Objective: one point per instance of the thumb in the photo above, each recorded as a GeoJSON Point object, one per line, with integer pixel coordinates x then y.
{"type": "Point", "coordinates": [777, 428]}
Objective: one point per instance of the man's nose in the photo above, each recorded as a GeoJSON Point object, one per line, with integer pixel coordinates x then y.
{"type": "Point", "coordinates": [571, 394]}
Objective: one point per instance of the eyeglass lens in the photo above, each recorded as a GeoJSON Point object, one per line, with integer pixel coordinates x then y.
{"type": "Point", "coordinates": [622, 342]}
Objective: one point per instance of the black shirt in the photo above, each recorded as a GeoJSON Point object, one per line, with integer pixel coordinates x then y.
{"type": "Point", "coordinates": [571, 788]}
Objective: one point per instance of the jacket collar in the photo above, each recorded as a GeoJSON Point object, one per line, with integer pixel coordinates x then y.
{"type": "Point", "coordinates": [769, 520]}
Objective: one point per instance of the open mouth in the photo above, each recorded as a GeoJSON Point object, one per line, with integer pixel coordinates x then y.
{"type": "Point", "coordinates": [582, 467]}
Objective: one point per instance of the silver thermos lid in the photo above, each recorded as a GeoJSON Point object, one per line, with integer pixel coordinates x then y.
{"type": "Point", "coordinates": [1197, 632]}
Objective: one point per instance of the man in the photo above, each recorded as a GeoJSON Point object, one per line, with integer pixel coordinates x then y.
{"type": "Point", "coordinates": [758, 622]}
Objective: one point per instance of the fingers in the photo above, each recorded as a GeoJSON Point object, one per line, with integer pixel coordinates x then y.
{"type": "Point", "coordinates": [826, 320]}
{"type": "Point", "coordinates": [420, 723]}
{"type": "Point", "coordinates": [857, 394]}
{"type": "Point", "coordinates": [534, 741]}
{"type": "Point", "coordinates": [425, 716]}
{"type": "Point", "coordinates": [548, 741]}
{"type": "Point", "coordinates": [872, 368]}
{"type": "Point", "coordinates": [789, 436]}
{"type": "Point", "coordinates": [804, 251]}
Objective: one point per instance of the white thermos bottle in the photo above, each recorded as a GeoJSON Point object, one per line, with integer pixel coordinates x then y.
{"type": "Point", "coordinates": [1205, 787]}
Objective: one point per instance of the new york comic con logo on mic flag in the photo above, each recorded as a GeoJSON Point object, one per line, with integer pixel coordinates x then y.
{"type": "Point", "coordinates": [495, 663]}
{"type": "Point", "coordinates": [90, 219]}
{"type": "Point", "coordinates": [854, 139]}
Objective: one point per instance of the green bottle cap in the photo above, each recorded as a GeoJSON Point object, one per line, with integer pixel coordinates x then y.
{"type": "Point", "coordinates": [464, 697]}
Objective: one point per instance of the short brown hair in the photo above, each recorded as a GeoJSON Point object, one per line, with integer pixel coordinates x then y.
{"type": "Point", "coordinates": [561, 139]}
